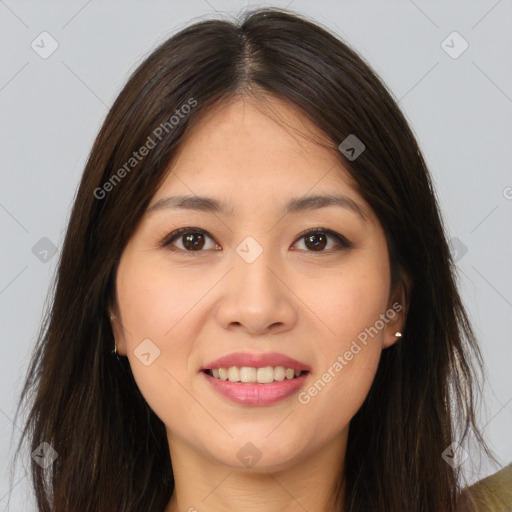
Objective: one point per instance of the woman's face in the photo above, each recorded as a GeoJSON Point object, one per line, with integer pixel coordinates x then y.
{"type": "Point", "coordinates": [249, 278]}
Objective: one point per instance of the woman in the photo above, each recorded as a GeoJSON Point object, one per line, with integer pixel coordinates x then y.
{"type": "Point", "coordinates": [257, 239]}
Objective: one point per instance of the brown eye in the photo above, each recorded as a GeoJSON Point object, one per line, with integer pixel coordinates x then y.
{"type": "Point", "coordinates": [189, 240]}
{"type": "Point", "coordinates": [193, 241]}
{"type": "Point", "coordinates": [317, 241]}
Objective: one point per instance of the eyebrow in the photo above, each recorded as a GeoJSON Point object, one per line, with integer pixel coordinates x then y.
{"type": "Point", "coordinates": [295, 205]}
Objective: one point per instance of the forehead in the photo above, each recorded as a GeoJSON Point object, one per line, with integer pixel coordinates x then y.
{"type": "Point", "coordinates": [255, 151]}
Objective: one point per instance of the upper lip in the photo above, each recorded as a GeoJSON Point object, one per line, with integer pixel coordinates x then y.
{"type": "Point", "coordinates": [256, 361]}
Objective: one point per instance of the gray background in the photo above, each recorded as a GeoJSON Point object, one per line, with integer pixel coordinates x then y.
{"type": "Point", "coordinates": [459, 108]}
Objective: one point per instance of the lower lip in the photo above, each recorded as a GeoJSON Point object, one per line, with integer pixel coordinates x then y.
{"type": "Point", "coordinates": [257, 394]}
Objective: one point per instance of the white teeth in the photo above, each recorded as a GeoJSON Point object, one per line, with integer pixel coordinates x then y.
{"type": "Point", "coordinates": [248, 374]}
{"type": "Point", "coordinates": [264, 375]}
{"type": "Point", "coordinates": [233, 374]}
{"type": "Point", "coordinates": [279, 373]}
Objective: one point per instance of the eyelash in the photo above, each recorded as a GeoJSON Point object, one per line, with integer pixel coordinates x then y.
{"type": "Point", "coordinates": [342, 241]}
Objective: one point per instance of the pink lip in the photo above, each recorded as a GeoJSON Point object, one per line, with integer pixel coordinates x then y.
{"type": "Point", "coordinates": [256, 361]}
{"type": "Point", "coordinates": [256, 394]}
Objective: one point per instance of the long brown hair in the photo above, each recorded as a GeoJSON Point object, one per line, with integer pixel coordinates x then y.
{"type": "Point", "coordinates": [112, 449]}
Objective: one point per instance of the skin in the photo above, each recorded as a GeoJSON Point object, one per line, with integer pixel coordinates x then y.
{"type": "Point", "coordinates": [306, 304]}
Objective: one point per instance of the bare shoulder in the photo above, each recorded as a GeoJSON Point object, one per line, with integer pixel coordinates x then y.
{"type": "Point", "coordinates": [492, 494]}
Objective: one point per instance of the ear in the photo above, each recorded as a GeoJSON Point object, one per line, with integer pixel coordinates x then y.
{"type": "Point", "coordinates": [397, 311]}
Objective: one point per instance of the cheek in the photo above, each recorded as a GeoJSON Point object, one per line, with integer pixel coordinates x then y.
{"type": "Point", "coordinates": [153, 299]}
{"type": "Point", "coordinates": [351, 298]}
{"type": "Point", "coordinates": [155, 306]}
{"type": "Point", "coordinates": [346, 368]}
{"type": "Point", "coordinates": [351, 306]}
{"type": "Point", "coordinates": [334, 396]}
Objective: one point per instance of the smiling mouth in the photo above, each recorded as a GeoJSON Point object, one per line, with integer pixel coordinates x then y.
{"type": "Point", "coordinates": [252, 375]}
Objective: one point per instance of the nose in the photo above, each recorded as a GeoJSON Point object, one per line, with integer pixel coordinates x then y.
{"type": "Point", "coordinates": [256, 298]}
